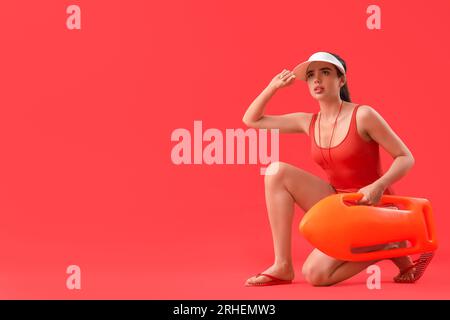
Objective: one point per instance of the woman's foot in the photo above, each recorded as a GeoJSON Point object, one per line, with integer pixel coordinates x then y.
{"type": "Point", "coordinates": [416, 270]}
{"type": "Point", "coordinates": [279, 271]}
{"type": "Point", "coordinates": [404, 264]}
{"type": "Point", "coordinates": [407, 270]}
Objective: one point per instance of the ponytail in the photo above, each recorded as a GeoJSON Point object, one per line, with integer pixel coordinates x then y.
{"type": "Point", "coordinates": [344, 93]}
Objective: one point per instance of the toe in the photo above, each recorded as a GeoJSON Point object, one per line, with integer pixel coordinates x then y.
{"type": "Point", "coordinates": [407, 276]}
{"type": "Point", "coordinates": [253, 280]}
{"type": "Point", "coordinates": [257, 279]}
{"type": "Point", "coordinates": [250, 280]}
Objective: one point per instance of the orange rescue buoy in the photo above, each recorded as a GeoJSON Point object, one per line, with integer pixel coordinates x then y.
{"type": "Point", "coordinates": [345, 230]}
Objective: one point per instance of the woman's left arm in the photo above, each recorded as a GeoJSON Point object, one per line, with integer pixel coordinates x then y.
{"type": "Point", "coordinates": [378, 129]}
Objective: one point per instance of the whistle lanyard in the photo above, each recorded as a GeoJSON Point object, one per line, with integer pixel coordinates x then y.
{"type": "Point", "coordinates": [332, 133]}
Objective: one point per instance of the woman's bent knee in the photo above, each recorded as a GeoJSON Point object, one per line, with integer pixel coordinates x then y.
{"type": "Point", "coordinates": [314, 276]}
{"type": "Point", "coordinates": [317, 279]}
{"type": "Point", "coordinates": [275, 171]}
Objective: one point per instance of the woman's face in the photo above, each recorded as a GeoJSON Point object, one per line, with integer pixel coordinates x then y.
{"type": "Point", "coordinates": [323, 80]}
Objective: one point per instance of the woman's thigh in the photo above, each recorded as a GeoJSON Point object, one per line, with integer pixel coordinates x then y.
{"type": "Point", "coordinates": [306, 188]}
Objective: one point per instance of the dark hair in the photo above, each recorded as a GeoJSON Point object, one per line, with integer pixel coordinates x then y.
{"type": "Point", "coordinates": [344, 93]}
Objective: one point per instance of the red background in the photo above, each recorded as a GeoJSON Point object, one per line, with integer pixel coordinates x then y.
{"type": "Point", "coordinates": [86, 118]}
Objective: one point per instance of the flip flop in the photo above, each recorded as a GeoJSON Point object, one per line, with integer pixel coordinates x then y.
{"type": "Point", "coordinates": [272, 282]}
{"type": "Point", "coordinates": [420, 265]}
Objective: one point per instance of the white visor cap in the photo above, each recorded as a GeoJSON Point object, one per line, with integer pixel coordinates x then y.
{"type": "Point", "coordinates": [300, 70]}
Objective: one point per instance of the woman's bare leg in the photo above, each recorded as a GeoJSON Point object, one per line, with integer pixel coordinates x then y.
{"type": "Point", "coordinates": [320, 269]}
{"type": "Point", "coordinates": [403, 263]}
{"type": "Point", "coordinates": [288, 186]}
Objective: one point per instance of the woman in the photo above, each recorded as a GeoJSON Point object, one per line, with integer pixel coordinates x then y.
{"type": "Point", "coordinates": [345, 139]}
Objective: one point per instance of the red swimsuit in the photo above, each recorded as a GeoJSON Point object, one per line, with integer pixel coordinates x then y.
{"type": "Point", "coordinates": [354, 163]}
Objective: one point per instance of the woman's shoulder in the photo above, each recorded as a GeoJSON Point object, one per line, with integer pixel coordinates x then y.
{"type": "Point", "coordinates": [366, 113]}
{"type": "Point", "coordinates": [309, 116]}
{"type": "Point", "coordinates": [366, 116]}
{"type": "Point", "coordinates": [364, 108]}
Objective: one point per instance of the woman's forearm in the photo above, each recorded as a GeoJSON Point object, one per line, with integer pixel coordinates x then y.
{"type": "Point", "coordinates": [256, 109]}
{"type": "Point", "coordinates": [399, 167]}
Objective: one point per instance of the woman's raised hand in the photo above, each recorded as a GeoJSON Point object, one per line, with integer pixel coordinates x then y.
{"type": "Point", "coordinates": [283, 79]}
